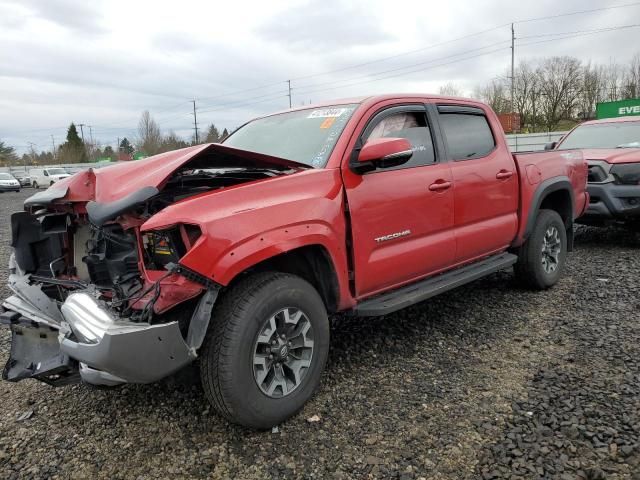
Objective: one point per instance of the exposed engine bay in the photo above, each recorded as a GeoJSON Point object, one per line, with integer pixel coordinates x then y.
{"type": "Point", "coordinates": [94, 294]}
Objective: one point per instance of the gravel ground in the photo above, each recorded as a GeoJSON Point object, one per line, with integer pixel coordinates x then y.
{"type": "Point", "coordinates": [488, 381]}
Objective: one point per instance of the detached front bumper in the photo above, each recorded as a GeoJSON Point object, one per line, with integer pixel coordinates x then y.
{"type": "Point", "coordinates": [82, 341]}
{"type": "Point", "coordinates": [611, 202]}
{"type": "Point", "coordinates": [136, 353]}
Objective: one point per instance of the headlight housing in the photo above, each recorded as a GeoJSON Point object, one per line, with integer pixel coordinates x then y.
{"type": "Point", "coordinates": [626, 173]}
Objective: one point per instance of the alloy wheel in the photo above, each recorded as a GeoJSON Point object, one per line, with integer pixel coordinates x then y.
{"type": "Point", "coordinates": [551, 247]}
{"type": "Point", "coordinates": [283, 352]}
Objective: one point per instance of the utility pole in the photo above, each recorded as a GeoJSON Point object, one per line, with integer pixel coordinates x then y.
{"type": "Point", "coordinates": [53, 144]}
{"type": "Point", "coordinates": [513, 55]}
{"type": "Point", "coordinates": [195, 120]}
{"type": "Point", "coordinates": [91, 147]}
{"type": "Point", "coordinates": [32, 152]}
{"type": "Point", "coordinates": [81, 131]}
{"type": "Point", "coordinates": [289, 95]}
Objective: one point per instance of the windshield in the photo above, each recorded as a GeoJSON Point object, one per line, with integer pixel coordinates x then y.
{"type": "Point", "coordinates": [57, 171]}
{"type": "Point", "coordinates": [5, 176]}
{"type": "Point", "coordinates": [304, 136]}
{"type": "Point", "coordinates": [604, 135]}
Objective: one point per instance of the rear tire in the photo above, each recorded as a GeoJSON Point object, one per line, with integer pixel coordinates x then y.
{"type": "Point", "coordinates": [241, 337]}
{"type": "Point", "coordinates": [542, 257]}
{"type": "Point", "coordinates": [35, 184]}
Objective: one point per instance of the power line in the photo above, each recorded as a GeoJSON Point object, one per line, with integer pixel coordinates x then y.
{"type": "Point", "coordinates": [397, 69]}
{"type": "Point", "coordinates": [580, 12]}
{"type": "Point", "coordinates": [410, 52]}
{"type": "Point", "coordinates": [245, 104]}
{"type": "Point", "coordinates": [422, 69]}
{"type": "Point", "coordinates": [246, 101]}
{"type": "Point", "coordinates": [586, 32]}
{"type": "Point", "coordinates": [270, 96]}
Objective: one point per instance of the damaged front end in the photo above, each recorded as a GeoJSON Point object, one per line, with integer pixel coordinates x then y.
{"type": "Point", "coordinates": [94, 295]}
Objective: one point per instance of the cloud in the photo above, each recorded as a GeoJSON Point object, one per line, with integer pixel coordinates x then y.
{"type": "Point", "coordinates": [81, 17]}
{"type": "Point", "coordinates": [103, 62]}
{"type": "Point", "coordinates": [324, 26]}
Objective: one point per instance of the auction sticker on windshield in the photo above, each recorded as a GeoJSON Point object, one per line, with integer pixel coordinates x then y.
{"type": "Point", "coordinates": [327, 113]}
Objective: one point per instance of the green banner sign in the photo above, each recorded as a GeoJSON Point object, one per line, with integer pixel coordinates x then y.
{"type": "Point", "coordinates": [622, 108]}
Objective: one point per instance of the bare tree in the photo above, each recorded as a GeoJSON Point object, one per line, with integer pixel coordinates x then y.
{"type": "Point", "coordinates": [495, 94]}
{"type": "Point", "coordinates": [450, 89]}
{"type": "Point", "coordinates": [591, 89]}
{"type": "Point", "coordinates": [632, 78]}
{"type": "Point", "coordinates": [612, 82]}
{"type": "Point", "coordinates": [149, 135]}
{"type": "Point", "coordinates": [526, 86]}
{"type": "Point", "coordinates": [559, 87]}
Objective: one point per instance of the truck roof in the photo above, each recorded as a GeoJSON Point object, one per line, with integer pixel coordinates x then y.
{"type": "Point", "coordinates": [613, 120]}
{"type": "Point", "coordinates": [371, 99]}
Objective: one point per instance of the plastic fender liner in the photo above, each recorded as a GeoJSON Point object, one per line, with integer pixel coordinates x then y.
{"type": "Point", "coordinates": [99, 213]}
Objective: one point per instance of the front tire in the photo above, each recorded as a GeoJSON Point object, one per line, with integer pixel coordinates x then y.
{"type": "Point", "coordinates": [542, 257]}
{"type": "Point", "coordinates": [265, 349]}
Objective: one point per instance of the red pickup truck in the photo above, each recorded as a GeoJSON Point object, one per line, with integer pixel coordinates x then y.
{"type": "Point", "coordinates": [236, 253]}
{"type": "Point", "coordinates": [611, 147]}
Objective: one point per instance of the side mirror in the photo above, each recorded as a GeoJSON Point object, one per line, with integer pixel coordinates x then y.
{"type": "Point", "coordinates": [550, 146]}
{"type": "Point", "coordinates": [385, 152]}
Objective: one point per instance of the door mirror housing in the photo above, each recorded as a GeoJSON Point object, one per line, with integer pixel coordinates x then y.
{"type": "Point", "coordinates": [384, 153]}
{"type": "Point", "coordinates": [551, 146]}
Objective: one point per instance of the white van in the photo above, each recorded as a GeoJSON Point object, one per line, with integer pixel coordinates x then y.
{"type": "Point", "coordinates": [45, 177]}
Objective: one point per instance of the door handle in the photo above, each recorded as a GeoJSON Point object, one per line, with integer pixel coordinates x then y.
{"type": "Point", "coordinates": [504, 174]}
{"type": "Point", "coordinates": [439, 185]}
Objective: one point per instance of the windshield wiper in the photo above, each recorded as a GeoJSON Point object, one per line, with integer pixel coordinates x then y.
{"type": "Point", "coordinates": [629, 145]}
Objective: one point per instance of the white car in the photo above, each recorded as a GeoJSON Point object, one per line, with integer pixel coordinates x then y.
{"type": "Point", "coordinates": [45, 177]}
{"type": "Point", "coordinates": [8, 183]}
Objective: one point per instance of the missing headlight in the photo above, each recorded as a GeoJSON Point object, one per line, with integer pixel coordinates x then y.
{"type": "Point", "coordinates": [163, 247]}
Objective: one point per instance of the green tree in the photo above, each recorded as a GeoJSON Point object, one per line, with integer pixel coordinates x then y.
{"type": "Point", "coordinates": [225, 134]}
{"type": "Point", "coordinates": [73, 150]}
{"type": "Point", "coordinates": [172, 141]}
{"type": "Point", "coordinates": [7, 155]}
{"type": "Point", "coordinates": [213, 135]}
{"type": "Point", "coordinates": [108, 152]}
{"type": "Point", "coordinates": [126, 147]}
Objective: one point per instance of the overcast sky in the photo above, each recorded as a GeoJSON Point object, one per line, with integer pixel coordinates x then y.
{"type": "Point", "coordinates": [102, 62]}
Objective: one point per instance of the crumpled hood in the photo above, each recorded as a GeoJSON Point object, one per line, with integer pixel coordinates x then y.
{"type": "Point", "coordinates": [613, 155]}
{"type": "Point", "coordinates": [115, 182]}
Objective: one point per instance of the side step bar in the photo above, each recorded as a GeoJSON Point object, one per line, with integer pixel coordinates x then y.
{"type": "Point", "coordinates": [417, 292]}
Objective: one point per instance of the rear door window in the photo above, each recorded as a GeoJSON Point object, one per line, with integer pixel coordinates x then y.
{"type": "Point", "coordinates": [468, 135]}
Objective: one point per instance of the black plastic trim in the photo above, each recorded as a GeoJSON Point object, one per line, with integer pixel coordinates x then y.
{"type": "Point", "coordinates": [545, 188]}
{"type": "Point", "coordinates": [424, 289]}
{"type": "Point", "coordinates": [100, 213]}
{"type": "Point", "coordinates": [460, 109]}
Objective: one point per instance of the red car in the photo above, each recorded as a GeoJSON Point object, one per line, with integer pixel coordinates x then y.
{"type": "Point", "coordinates": [236, 253]}
{"type": "Point", "coordinates": [612, 149]}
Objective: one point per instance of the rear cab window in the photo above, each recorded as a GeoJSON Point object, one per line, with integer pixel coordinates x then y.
{"type": "Point", "coordinates": [466, 132]}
